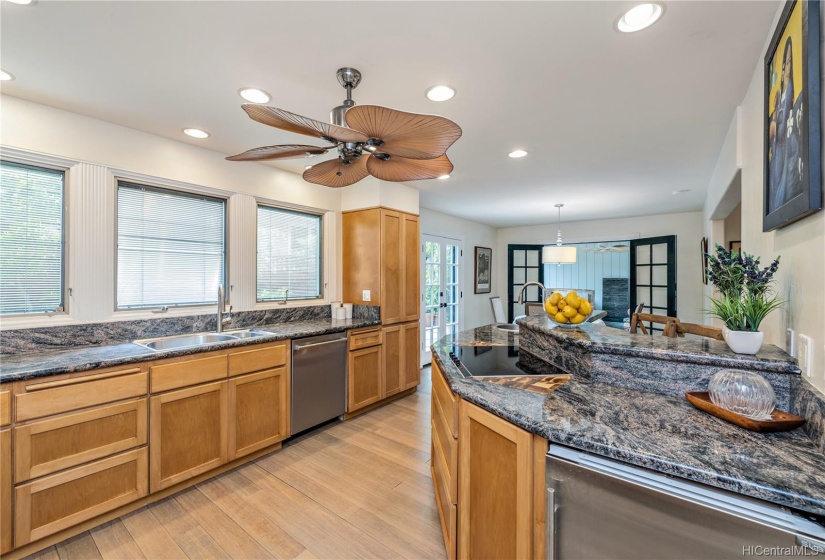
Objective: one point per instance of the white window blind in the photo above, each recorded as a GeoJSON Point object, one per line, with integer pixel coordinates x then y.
{"type": "Point", "coordinates": [289, 254]}
{"type": "Point", "coordinates": [31, 239]}
{"type": "Point", "coordinates": [170, 247]}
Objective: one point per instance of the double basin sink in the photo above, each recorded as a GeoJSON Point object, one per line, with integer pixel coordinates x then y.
{"type": "Point", "coordinates": [198, 339]}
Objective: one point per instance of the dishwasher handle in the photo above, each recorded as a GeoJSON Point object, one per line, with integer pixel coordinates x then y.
{"type": "Point", "coordinates": [299, 347]}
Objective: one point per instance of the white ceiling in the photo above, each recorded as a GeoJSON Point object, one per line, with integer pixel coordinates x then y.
{"type": "Point", "coordinates": [614, 122]}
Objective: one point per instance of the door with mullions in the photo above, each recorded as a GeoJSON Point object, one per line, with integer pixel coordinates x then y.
{"type": "Point", "coordinates": [441, 296]}
{"type": "Point", "coordinates": [653, 276]}
{"type": "Point", "coordinates": [523, 265]}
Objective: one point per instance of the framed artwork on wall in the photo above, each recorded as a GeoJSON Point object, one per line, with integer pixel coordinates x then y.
{"type": "Point", "coordinates": [483, 270]}
{"type": "Point", "coordinates": [703, 252]}
{"type": "Point", "coordinates": [792, 187]}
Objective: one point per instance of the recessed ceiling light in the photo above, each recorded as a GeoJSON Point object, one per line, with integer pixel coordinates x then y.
{"type": "Point", "coordinates": [447, 176]}
{"type": "Point", "coordinates": [517, 154]}
{"type": "Point", "coordinates": [5, 76]}
{"type": "Point", "coordinates": [639, 17]}
{"type": "Point", "coordinates": [196, 133]}
{"type": "Point", "coordinates": [24, 2]}
{"type": "Point", "coordinates": [254, 95]}
{"type": "Point", "coordinates": [440, 93]}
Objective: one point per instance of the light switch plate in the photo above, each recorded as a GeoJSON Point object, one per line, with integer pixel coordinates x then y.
{"type": "Point", "coordinates": [366, 295]}
{"type": "Point", "coordinates": [804, 354]}
{"type": "Point", "coordinates": [789, 341]}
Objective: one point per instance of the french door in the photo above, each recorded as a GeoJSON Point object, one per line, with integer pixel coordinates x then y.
{"type": "Point", "coordinates": [441, 311]}
{"type": "Point", "coordinates": [523, 265]}
{"type": "Point", "coordinates": [653, 276]}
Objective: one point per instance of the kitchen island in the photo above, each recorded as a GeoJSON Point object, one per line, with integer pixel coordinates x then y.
{"type": "Point", "coordinates": [633, 419]}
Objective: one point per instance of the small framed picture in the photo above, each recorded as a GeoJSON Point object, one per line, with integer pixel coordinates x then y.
{"type": "Point", "coordinates": [483, 270]}
{"type": "Point", "coordinates": [703, 253]}
{"type": "Point", "coordinates": [734, 247]}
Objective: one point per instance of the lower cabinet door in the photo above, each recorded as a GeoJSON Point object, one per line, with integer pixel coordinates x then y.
{"type": "Point", "coordinates": [5, 491]}
{"type": "Point", "coordinates": [53, 503]}
{"type": "Point", "coordinates": [188, 433]}
{"type": "Point", "coordinates": [364, 378]}
{"type": "Point", "coordinates": [258, 411]}
{"type": "Point", "coordinates": [411, 356]}
{"type": "Point", "coordinates": [393, 365]}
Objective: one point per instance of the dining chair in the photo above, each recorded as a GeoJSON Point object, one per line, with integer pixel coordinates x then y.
{"type": "Point", "coordinates": [498, 310]}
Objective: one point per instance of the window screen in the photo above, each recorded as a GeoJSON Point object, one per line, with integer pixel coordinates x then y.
{"type": "Point", "coordinates": [289, 254]}
{"type": "Point", "coordinates": [170, 247]}
{"type": "Point", "coordinates": [31, 239]}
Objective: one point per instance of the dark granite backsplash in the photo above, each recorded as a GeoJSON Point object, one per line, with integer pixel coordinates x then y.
{"type": "Point", "coordinates": [21, 341]}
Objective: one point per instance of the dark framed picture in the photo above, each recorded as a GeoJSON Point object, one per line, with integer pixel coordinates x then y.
{"type": "Point", "coordinates": [734, 246]}
{"type": "Point", "coordinates": [792, 112]}
{"type": "Point", "coordinates": [703, 252]}
{"type": "Point", "coordinates": [483, 270]}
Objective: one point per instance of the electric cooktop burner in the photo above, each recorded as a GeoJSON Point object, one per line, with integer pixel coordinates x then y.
{"type": "Point", "coordinates": [498, 361]}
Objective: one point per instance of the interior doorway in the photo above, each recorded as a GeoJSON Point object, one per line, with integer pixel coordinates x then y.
{"type": "Point", "coordinates": [441, 277]}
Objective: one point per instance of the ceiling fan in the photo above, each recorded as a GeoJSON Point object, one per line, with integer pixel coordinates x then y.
{"type": "Point", "coordinates": [603, 248]}
{"type": "Point", "coordinates": [371, 140]}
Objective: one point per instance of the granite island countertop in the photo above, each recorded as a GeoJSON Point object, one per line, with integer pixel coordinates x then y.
{"type": "Point", "coordinates": [662, 433]}
{"type": "Point", "coordinates": [17, 367]}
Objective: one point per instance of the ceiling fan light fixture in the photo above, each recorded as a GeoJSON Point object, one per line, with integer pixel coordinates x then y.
{"type": "Point", "coordinates": [440, 93]}
{"type": "Point", "coordinates": [196, 133]}
{"type": "Point", "coordinates": [6, 76]}
{"type": "Point", "coordinates": [640, 17]}
{"type": "Point", "coordinates": [515, 154]}
{"type": "Point", "coordinates": [254, 95]}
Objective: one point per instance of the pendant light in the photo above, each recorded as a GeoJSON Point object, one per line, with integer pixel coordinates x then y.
{"type": "Point", "coordinates": [558, 254]}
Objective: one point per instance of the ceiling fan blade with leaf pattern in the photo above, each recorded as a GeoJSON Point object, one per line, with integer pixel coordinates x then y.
{"type": "Point", "coordinates": [301, 125]}
{"type": "Point", "coordinates": [404, 169]}
{"type": "Point", "coordinates": [335, 173]}
{"type": "Point", "coordinates": [408, 135]}
{"type": "Point", "coordinates": [284, 151]}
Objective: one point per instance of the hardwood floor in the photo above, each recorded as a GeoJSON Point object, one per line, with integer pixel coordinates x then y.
{"type": "Point", "coordinates": [357, 489]}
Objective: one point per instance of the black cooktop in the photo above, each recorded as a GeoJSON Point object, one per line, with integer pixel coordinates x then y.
{"type": "Point", "coordinates": [484, 361]}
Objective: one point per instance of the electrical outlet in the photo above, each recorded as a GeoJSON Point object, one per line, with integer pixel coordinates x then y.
{"type": "Point", "coordinates": [789, 341]}
{"type": "Point", "coordinates": [804, 354]}
{"type": "Point", "coordinates": [366, 295]}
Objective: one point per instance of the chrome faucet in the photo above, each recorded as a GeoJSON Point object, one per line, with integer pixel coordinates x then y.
{"type": "Point", "coordinates": [222, 309]}
{"type": "Point", "coordinates": [286, 294]}
{"type": "Point", "coordinates": [532, 283]}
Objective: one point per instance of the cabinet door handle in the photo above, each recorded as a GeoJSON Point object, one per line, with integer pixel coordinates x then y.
{"type": "Point", "coordinates": [550, 521]}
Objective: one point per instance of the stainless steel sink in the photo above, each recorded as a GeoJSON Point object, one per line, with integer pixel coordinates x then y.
{"type": "Point", "coordinates": [507, 327]}
{"type": "Point", "coordinates": [184, 341]}
{"type": "Point", "coordinates": [248, 333]}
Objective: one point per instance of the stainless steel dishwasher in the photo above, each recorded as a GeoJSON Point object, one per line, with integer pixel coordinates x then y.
{"type": "Point", "coordinates": [319, 380]}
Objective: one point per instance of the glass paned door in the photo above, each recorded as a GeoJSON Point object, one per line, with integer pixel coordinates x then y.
{"type": "Point", "coordinates": [523, 265]}
{"type": "Point", "coordinates": [441, 309]}
{"type": "Point", "coordinates": [653, 276]}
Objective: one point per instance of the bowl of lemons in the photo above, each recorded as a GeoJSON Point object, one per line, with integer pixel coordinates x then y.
{"type": "Point", "coordinates": [567, 310]}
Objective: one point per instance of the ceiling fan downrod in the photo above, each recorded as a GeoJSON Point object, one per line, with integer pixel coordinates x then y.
{"type": "Point", "coordinates": [349, 78]}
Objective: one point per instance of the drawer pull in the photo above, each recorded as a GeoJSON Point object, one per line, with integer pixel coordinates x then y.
{"type": "Point", "coordinates": [73, 380]}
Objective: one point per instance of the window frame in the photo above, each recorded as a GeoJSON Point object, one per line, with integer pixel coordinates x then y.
{"type": "Point", "coordinates": [321, 252]}
{"type": "Point", "coordinates": [65, 290]}
{"type": "Point", "coordinates": [193, 193]}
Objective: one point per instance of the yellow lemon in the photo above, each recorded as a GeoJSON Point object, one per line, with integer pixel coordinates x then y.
{"type": "Point", "coordinates": [560, 318]}
{"type": "Point", "coordinates": [561, 304]}
{"type": "Point", "coordinates": [569, 312]}
{"type": "Point", "coordinates": [573, 299]}
{"type": "Point", "coordinates": [551, 309]}
{"type": "Point", "coordinates": [579, 318]}
{"type": "Point", "coordinates": [585, 308]}
{"type": "Point", "coordinates": [555, 297]}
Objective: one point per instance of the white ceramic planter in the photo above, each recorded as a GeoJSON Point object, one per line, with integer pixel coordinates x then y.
{"type": "Point", "coordinates": [743, 342]}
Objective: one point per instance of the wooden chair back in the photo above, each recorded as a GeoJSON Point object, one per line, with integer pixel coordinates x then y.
{"type": "Point", "coordinates": [532, 308]}
{"type": "Point", "coordinates": [673, 326]}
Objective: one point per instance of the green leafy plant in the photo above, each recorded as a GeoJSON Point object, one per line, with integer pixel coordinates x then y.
{"type": "Point", "coordinates": [746, 290]}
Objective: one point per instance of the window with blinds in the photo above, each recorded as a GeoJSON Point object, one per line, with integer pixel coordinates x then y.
{"type": "Point", "coordinates": [31, 239]}
{"type": "Point", "coordinates": [289, 254]}
{"type": "Point", "coordinates": [171, 247]}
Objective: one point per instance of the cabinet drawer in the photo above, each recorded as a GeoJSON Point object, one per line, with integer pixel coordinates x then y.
{"type": "Point", "coordinates": [258, 359]}
{"type": "Point", "coordinates": [364, 339]}
{"type": "Point", "coordinates": [54, 397]}
{"type": "Point", "coordinates": [443, 438]}
{"type": "Point", "coordinates": [187, 372]}
{"type": "Point", "coordinates": [446, 398]}
{"type": "Point", "coordinates": [447, 482]}
{"type": "Point", "coordinates": [5, 408]}
{"type": "Point", "coordinates": [48, 446]}
{"type": "Point", "coordinates": [55, 502]}
{"type": "Point", "coordinates": [448, 515]}
{"type": "Point", "coordinates": [5, 491]}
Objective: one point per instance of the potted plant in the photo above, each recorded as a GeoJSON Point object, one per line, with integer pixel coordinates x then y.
{"type": "Point", "coordinates": [745, 297]}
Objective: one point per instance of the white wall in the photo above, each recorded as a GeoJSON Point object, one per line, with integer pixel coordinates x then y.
{"type": "Point", "coordinates": [476, 306]}
{"type": "Point", "coordinates": [801, 245]}
{"type": "Point", "coordinates": [687, 227]}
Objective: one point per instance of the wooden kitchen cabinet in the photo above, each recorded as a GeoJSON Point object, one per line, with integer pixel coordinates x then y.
{"type": "Point", "coordinates": [495, 493]}
{"type": "Point", "coordinates": [5, 491]}
{"type": "Point", "coordinates": [258, 411]}
{"type": "Point", "coordinates": [393, 373]}
{"type": "Point", "coordinates": [188, 433]}
{"type": "Point", "coordinates": [364, 377]}
{"type": "Point", "coordinates": [381, 255]}
{"type": "Point", "coordinates": [411, 356]}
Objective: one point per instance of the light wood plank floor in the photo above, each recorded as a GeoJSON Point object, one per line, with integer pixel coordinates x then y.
{"type": "Point", "coordinates": [357, 489]}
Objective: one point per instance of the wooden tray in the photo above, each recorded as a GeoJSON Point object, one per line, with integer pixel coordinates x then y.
{"type": "Point", "coordinates": [780, 421]}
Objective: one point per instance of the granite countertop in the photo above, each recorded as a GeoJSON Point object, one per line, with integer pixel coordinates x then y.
{"type": "Point", "coordinates": [16, 367]}
{"type": "Point", "coordinates": [661, 433]}
{"type": "Point", "coordinates": [601, 339]}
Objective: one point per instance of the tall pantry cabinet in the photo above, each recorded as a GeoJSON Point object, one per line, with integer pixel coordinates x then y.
{"type": "Point", "coordinates": [381, 267]}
